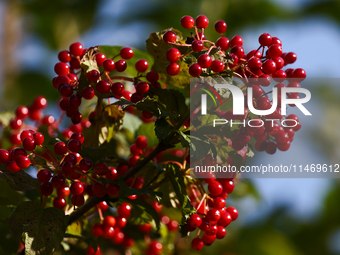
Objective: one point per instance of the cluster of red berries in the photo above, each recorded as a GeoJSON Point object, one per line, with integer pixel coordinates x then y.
{"type": "Point", "coordinates": [257, 69]}
{"type": "Point", "coordinates": [212, 215]}
{"type": "Point", "coordinates": [99, 80]}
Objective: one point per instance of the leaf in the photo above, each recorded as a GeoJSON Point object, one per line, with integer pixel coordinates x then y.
{"type": "Point", "coordinates": [88, 61]}
{"type": "Point", "coordinates": [20, 181]}
{"type": "Point", "coordinates": [94, 154]}
{"type": "Point", "coordinates": [5, 118]}
{"type": "Point", "coordinates": [158, 48]}
{"type": "Point", "coordinates": [175, 175]}
{"type": "Point", "coordinates": [142, 212]}
{"type": "Point", "coordinates": [199, 146]}
{"type": "Point", "coordinates": [112, 51]}
{"type": "Point", "coordinates": [113, 118]}
{"type": "Point", "coordinates": [43, 228]}
{"type": "Point", "coordinates": [163, 128]}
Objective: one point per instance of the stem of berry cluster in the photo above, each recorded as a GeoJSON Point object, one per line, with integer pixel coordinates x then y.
{"type": "Point", "coordinates": [95, 200]}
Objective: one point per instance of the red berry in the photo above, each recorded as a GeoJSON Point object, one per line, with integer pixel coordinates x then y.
{"type": "Point", "coordinates": [197, 45]}
{"type": "Point", "coordinates": [236, 40]}
{"type": "Point", "coordinates": [23, 161]}
{"type": "Point", "coordinates": [290, 58]}
{"type": "Point", "coordinates": [60, 148]}
{"type": "Point", "coordinates": [28, 144]}
{"type": "Point", "coordinates": [169, 36]}
{"type": "Point", "coordinates": [142, 87]}
{"type": "Point", "coordinates": [15, 123]}
{"type": "Point", "coordinates": [77, 200]}
{"type": "Point", "coordinates": [64, 56]}
{"type": "Point", "coordinates": [187, 22]}
{"type": "Point", "coordinates": [172, 69]}
{"type": "Point", "coordinates": [97, 230]}
{"type": "Point", "coordinates": [93, 75]}
{"type": "Point", "coordinates": [88, 93]}
{"type": "Point", "coordinates": [77, 188]}
{"type": "Point", "coordinates": [59, 202]}
{"type": "Point", "coordinates": [299, 74]}
{"type": "Point", "coordinates": [74, 145]}
{"type": "Point", "coordinates": [63, 192]}
{"type": "Point", "coordinates": [265, 39]}
{"type": "Point", "coordinates": [254, 63]}
{"type": "Point", "coordinates": [219, 202]}
{"type": "Point", "coordinates": [126, 53]}
{"type": "Point", "coordinates": [215, 188]}
{"type": "Point", "coordinates": [21, 112]}
{"type": "Point", "coordinates": [61, 68]}
{"type": "Point", "coordinates": [46, 188]}
{"type": "Point", "coordinates": [195, 70]}
{"type": "Point", "coordinates": [141, 142]}
{"type": "Point", "coordinates": [100, 58]}
{"type": "Point", "coordinates": [58, 181]}
{"type": "Point", "coordinates": [152, 76]}
{"type": "Point", "coordinates": [202, 22]}
{"type": "Point", "coordinates": [78, 135]}
{"type": "Point", "coordinates": [85, 164]}
{"type": "Point", "coordinates": [217, 66]}
{"type": "Point", "coordinates": [275, 50]}
{"type": "Point", "coordinates": [269, 66]}
{"type": "Point", "coordinates": [120, 222]}
{"type": "Point", "coordinates": [4, 156]}
{"type": "Point", "coordinates": [213, 215]}
{"type": "Point", "coordinates": [103, 87]}
{"type": "Point", "coordinates": [39, 103]}
{"type": "Point", "coordinates": [118, 89]}
{"type": "Point", "coordinates": [121, 65]}
{"type": "Point", "coordinates": [197, 244]}
{"type": "Point", "coordinates": [124, 210]}
{"type": "Point", "coordinates": [194, 221]}
{"type": "Point", "coordinates": [220, 26]}
{"type": "Point", "coordinates": [76, 49]}
{"type": "Point", "coordinates": [141, 65]}
{"type": "Point", "coordinates": [223, 43]}
{"type": "Point", "coordinates": [173, 54]}
{"type": "Point", "coordinates": [109, 65]}
{"type": "Point", "coordinates": [155, 248]}
{"type": "Point", "coordinates": [233, 212]}
{"type": "Point", "coordinates": [221, 232]}
{"type": "Point", "coordinates": [109, 221]}
{"type": "Point", "coordinates": [204, 61]}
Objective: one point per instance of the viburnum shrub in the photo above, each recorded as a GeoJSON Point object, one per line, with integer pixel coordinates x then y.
{"type": "Point", "coordinates": [122, 166]}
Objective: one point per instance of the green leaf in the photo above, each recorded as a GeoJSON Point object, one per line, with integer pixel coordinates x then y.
{"type": "Point", "coordinates": [163, 128]}
{"type": "Point", "coordinates": [94, 154]}
{"type": "Point", "coordinates": [5, 118]}
{"type": "Point", "coordinates": [199, 146]}
{"type": "Point", "coordinates": [112, 51]}
{"type": "Point", "coordinates": [43, 229]}
{"type": "Point", "coordinates": [20, 181]}
{"type": "Point", "coordinates": [142, 212]}
{"type": "Point", "coordinates": [173, 172]}
{"type": "Point", "coordinates": [158, 48]}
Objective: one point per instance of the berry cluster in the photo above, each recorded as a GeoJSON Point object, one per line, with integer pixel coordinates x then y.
{"type": "Point", "coordinates": [212, 215]}
{"type": "Point", "coordinates": [257, 69]}
{"type": "Point", "coordinates": [99, 81]}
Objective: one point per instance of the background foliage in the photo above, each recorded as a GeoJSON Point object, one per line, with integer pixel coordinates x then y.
{"type": "Point", "coordinates": [33, 31]}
